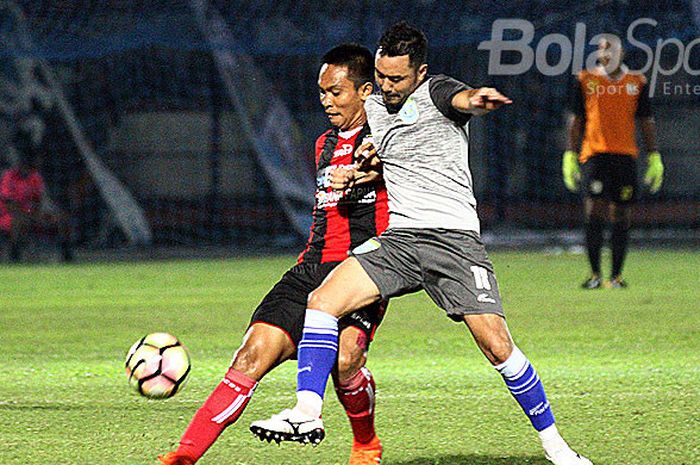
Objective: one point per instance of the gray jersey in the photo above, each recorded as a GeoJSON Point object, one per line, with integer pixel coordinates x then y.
{"type": "Point", "coordinates": [424, 148]}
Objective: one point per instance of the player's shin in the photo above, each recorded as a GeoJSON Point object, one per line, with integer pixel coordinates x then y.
{"type": "Point", "coordinates": [222, 408]}
{"type": "Point", "coordinates": [525, 386]}
{"type": "Point", "coordinates": [594, 243]}
{"type": "Point", "coordinates": [357, 397]}
{"type": "Point", "coordinates": [619, 239]}
{"type": "Point", "coordinates": [317, 354]}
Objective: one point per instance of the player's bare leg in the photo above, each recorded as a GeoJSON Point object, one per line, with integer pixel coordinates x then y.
{"type": "Point", "coordinates": [263, 348]}
{"type": "Point", "coordinates": [491, 334]}
{"type": "Point", "coordinates": [355, 388]}
{"type": "Point", "coordinates": [345, 289]}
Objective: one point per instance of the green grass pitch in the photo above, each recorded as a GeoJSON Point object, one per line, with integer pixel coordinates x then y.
{"type": "Point", "coordinates": [621, 367]}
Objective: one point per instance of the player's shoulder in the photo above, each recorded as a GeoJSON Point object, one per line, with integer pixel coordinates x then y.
{"type": "Point", "coordinates": [438, 78]}
{"type": "Point", "coordinates": [374, 100]}
{"type": "Point", "coordinates": [324, 135]}
{"type": "Point", "coordinates": [585, 75]}
{"type": "Point", "coordinates": [321, 142]}
{"type": "Point", "coordinates": [636, 77]}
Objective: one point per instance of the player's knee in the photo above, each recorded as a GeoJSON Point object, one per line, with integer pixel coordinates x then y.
{"type": "Point", "coordinates": [320, 300]}
{"type": "Point", "coordinates": [595, 209]}
{"type": "Point", "coordinates": [597, 214]}
{"type": "Point", "coordinates": [249, 360]}
{"type": "Point", "coordinates": [498, 349]}
{"type": "Point", "coordinates": [621, 214]}
{"type": "Point", "coordinates": [350, 362]}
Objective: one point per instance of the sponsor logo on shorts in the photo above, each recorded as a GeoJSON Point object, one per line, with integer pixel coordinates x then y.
{"type": "Point", "coordinates": [357, 317]}
{"type": "Point", "coordinates": [596, 187]}
{"type": "Point", "coordinates": [626, 193]}
{"type": "Point", "coordinates": [484, 298]}
{"type": "Point", "coordinates": [367, 246]}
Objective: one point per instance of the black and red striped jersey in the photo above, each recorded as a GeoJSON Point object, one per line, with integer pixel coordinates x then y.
{"type": "Point", "coordinates": [343, 220]}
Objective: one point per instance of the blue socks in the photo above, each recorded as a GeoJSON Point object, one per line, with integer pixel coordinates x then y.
{"type": "Point", "coordinates": [318, 351]}
{"type": "Point", "coordinates": [525, 385]}
{"type": "Point", "coordinates": [317, 354]}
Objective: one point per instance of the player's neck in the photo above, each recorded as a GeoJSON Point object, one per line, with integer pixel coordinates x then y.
{"type": "Point", "coordinates": [354, 124]}
{"type": "Point", "coordinates": [349, 133]}
{"type": "Point", "coordinates": [616, 74]}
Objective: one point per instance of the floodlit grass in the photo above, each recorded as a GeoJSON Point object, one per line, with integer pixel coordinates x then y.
{"type": "Point", "coordinates": [621, 367]}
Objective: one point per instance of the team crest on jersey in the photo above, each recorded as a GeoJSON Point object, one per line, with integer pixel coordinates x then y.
{"type": "Point", "coordinates": [367, 246]}
{"type": "Point", "coordinates": [409, 111]}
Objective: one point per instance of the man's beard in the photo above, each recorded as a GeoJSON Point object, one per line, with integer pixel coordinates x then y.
{"type": "Point", "coordinates": [393, 107]}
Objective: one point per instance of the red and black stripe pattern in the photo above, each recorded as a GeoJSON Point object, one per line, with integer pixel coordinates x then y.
{"type": "Point", "coordinates": [343, 220]}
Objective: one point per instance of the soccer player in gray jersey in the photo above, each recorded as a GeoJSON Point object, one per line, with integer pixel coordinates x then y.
{"type": "Point", "coordinates": [420, 133]}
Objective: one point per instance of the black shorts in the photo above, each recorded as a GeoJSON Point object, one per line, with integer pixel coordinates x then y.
{"type": "Point", "coordinates": [285, 305]}
{"type": "Point", "coordinates": [611, 177]}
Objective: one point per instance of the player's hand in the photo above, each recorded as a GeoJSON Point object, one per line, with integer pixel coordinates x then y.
{"type": "Point", "coordinates": [571, 170]}
{"type": "Point", "coordinates": [343, 178]}
{"type": "Point", "coordinates": [654, 175]}
{"type": "Point", "coordinates": [488, 98]}
{"type": "Point", "coordinates": [366, 156]}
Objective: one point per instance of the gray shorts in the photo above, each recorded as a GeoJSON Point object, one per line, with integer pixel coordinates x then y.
{"type": "Point", "coordinates": [450, 265]}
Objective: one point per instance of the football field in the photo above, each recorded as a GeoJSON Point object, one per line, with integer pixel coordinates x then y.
{"type": "Point", "coordinates": [621, 367]}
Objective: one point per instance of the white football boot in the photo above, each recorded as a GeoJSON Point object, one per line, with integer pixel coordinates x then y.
{"type": "Point", "coordinates": [566, 456]}
{"type": "Point", "coordinates": [289, 425]}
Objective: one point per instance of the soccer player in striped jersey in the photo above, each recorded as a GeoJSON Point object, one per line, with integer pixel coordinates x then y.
{"type": "Point", "coordinates": [606, 102]}
{"type": "Point", "coordinates": [420, 131]}
{"type": "Point", "coordinates": [350, 207]}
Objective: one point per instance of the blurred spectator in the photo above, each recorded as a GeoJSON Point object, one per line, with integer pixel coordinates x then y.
{"type": "Point", "coordinates": [24, 206]}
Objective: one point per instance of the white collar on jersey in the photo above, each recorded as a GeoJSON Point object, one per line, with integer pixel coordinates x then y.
{"type": "Point", "coordinates": [348, 134]}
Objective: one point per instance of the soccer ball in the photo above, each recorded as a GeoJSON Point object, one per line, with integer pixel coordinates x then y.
{"type": "Point", "coordinates": [157, 366]}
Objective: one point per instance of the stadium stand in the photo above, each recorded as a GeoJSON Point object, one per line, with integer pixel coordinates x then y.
{"type": "Point", "coordinates": [155, 91]}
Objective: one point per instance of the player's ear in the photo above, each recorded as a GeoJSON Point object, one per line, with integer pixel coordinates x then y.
{"type": "Point", "coordinates": [422, 71]}
{"type": "Point", "coordinates": [365, 90]}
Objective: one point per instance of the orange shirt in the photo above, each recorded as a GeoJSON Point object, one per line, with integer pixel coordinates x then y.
{"type": "Point", "coordinates": [609, 108]}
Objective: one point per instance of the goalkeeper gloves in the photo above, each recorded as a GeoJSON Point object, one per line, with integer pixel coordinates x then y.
{"type": "Point", "coordinates": [654, 175]}
{"type": "Point", "coordinates": [571, 170]}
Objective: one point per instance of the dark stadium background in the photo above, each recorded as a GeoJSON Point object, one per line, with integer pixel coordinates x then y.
{"type": "Point", "coordinates": [159, 110]}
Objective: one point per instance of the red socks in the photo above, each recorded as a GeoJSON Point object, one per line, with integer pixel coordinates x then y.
{"type": "Point", "coordinates": [229, 399]}
{"type": "Point", "coordinates": [222, 408]}
{"type": "Point", "coordinates": [357, 397]}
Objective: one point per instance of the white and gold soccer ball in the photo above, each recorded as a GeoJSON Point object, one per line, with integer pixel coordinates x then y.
{"type": "Point", "coordinates": [158, 365]}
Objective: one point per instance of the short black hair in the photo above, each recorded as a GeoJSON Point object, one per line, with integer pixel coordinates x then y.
{"type": "Point", "coordinates": [356, 58]}
{"type": "Point", "coordinates": [404, 39]}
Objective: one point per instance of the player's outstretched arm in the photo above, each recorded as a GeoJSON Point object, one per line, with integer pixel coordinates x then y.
{"type": "Point", "coordinates": [479, 101]}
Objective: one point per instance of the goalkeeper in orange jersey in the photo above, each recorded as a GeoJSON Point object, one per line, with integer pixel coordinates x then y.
{"type": "Point", "coordinates": [607, 101]}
